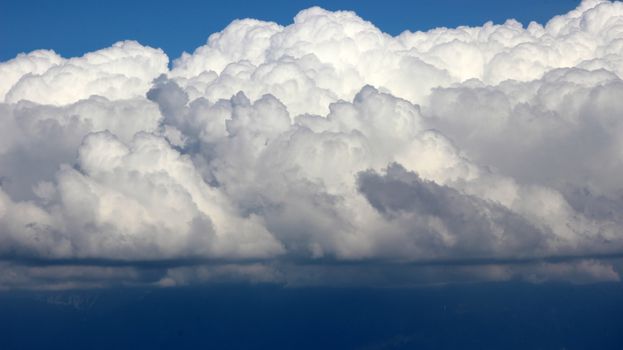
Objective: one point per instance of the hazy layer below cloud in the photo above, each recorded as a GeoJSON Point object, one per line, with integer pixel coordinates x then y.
{"type": "Point", "coordinates": [322, 152]}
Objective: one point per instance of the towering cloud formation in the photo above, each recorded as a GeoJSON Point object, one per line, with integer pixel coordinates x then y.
{"type": "Point", "coordinates": [321, 152]}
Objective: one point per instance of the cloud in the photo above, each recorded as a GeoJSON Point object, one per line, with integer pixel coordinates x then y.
{"type": "Point", "coordinates": [321, 152]}
{"type": "Point", "coordinates": [445, 222]}
{"type": "Point", "coordinates": [124, 70]}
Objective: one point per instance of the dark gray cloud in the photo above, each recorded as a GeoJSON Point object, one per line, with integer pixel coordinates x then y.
{"type": "Point", "coordinates": [471, 226]}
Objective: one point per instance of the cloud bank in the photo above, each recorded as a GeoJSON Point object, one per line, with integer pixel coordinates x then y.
{"type": "Point", "coordinates": [322, 152]}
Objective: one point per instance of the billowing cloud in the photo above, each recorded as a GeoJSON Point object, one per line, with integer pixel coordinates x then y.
{"type": "Point", "coordinates": [321, 152]}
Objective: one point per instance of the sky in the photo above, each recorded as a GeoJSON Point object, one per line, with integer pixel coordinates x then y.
{"type": "Point", "coordinates": [329, 174]}
{"type": "Point", "coordinates": [74, 27]}
{"type": "Point", "coordinates": [484, 316]}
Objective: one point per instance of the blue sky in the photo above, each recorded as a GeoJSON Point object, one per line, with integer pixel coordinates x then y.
{"type": "Point", "coordinates": [73, 27]}
{"type": "Point", "coordinates": [511, 316]}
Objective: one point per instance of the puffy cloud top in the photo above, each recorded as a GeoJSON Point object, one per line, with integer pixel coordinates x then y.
{"type": "Point", "coordinates": [315, 152]}
{"type": "Point", "coordinates": [122, 71]}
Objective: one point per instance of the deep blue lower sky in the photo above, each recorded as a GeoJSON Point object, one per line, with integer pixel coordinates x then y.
{"type": "Point", "coordinates": [479, 316]}
{"type": "Point", "coordinates": [73, 27]}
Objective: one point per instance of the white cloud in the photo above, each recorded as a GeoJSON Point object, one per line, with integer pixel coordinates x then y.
{"type": "Point", "coordinates": [124, 70]}
{"type": "Point", "coordinates": [325, 147]}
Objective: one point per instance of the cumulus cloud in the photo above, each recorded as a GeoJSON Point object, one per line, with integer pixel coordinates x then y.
{"type": "Point", "coordinates": [124, 70]}
{"type": "Point", "coordinates": [321, 152]}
